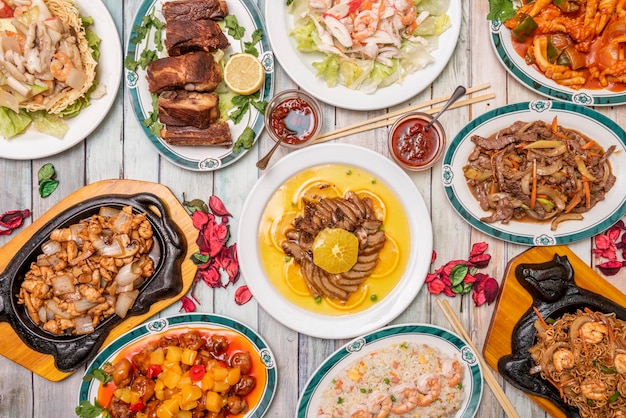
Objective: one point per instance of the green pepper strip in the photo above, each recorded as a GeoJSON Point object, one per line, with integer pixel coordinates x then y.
{"type": "Point", "coordinates": [525, 27]}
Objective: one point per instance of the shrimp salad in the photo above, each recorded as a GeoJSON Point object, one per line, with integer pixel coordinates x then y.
{"type": "Point", "coordinates": [48, 65]}
{"type": "Point", "coordinates": [369, 44]}
{"type": "Point", "coordinates": [407, 379]}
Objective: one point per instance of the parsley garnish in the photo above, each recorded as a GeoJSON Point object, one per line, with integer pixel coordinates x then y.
{"type": "Point", "coordinates": [89, 410]}
{"type": "Point", "coordinates": [98, 374]}
{"type": "Point", "coordinates": [148, 23]}
{"type": "Point", "coordinates": [502, 10]}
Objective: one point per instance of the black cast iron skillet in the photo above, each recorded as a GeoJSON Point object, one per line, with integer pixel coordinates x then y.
{"type": "Point", "coordinates": [554, 292]}
{"type": "Point", "coordinates": [73, 351]}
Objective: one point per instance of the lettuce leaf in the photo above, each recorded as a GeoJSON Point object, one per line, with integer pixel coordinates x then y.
{"type": "Point", "coordinates": [49, 124]}
{"type": "Point", "coordinates": [11, 123]}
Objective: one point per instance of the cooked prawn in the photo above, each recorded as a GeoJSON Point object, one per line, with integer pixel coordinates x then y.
{"type": "Point", "coordinates": [359, 411]}
{"type": "Point", "coordinates": [365, 24]}
{"type": "Point", "coordinates": [429, 386]}
{"type": "Point", "coordinates": [563, 359]}
{"type": "Point", "coordinates": [320, 5]}
{"type": "Point", "coordinates": [379, 404]}
{"type": "Point", "coordinates": [620, 363]}
{"type": "Point", "coordinates": [593, 389]}
{"type": "Point", "coordinates": [452, 369]}
{"type": "Point", "coordinates": [593, 332]}
{"type": "Point", "coordinates": [61, 66]}
{"type": "Point", "coordinates": [407, 397]}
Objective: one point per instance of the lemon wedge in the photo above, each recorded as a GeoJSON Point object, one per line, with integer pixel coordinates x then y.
{"type": "Point", "coordinates": [244, 74]}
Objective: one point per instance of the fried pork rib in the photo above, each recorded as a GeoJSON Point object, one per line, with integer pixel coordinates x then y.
{"type": "Point", "coordinates": [351, 213]}
{"type": "Point", "coordinates": [188, 108]}
{"type": "Point", "coordinates": [216, 134]}
{"type": "Point", "coordinates": [196, 71]}
{"type": "Point", "coordinates": [186, 10]}
{"type": "Point", "coordinates": [183, 36]}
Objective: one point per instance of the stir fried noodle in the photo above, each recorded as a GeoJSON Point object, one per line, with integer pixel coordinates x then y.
{"type": "Point", "coordinates": [538, 171]}
{"type": "Point", "coordinates": [584, 356]}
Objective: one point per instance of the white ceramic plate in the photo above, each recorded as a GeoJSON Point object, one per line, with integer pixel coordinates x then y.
{"type": "Point", "coordinates": [200, 158]}
{"type": "Point", "coordinates": [33, 144]}
{"type": "Point", "coordinates": [587, 121]}
{"type": "Point", "coordinates": [447, 342]}
{"type": "Point", "coordinates": [326, 326]}
{"type": "Point", "coordinates": [210, 323]}
{"type": "Point", "coordinates": [299, 66]}
{"type": "Point", "coordinates": [535, 80]}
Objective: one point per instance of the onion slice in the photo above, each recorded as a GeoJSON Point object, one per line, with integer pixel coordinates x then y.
{"type": "Point", "coordinates": [125, 302]}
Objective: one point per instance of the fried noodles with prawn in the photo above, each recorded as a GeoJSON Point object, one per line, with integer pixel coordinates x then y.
{"type": "Point", "coordinates": [583, 355]}
{"type": "Point", "coordinates": [538, 171]}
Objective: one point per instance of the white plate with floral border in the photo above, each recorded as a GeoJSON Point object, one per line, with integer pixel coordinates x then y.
{"type": "Point", "coordinates": [582, 119]}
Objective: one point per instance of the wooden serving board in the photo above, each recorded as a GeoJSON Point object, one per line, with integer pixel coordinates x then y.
{"type": "Point", "coordinates": [12, 347]}
{"type": "Point", "coordinates": [514, 301]}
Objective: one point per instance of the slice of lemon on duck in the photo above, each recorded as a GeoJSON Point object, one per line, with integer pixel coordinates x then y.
{"type": "Point", "coordinates": [244, 73]}
{"type": "Point", "coordinates": [335, 250]}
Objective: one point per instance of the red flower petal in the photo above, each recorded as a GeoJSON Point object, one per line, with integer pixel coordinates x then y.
{"type": "Point", "coordinates": [210, 276]}
{"type": "Point", "coordinates": [217, 206]}
{"type": "Point", "coordinates": [613, 233]}
{"type": "Point", "coordinates": [610, 268]}
{"type": "Point", "coordinates": [187, 304]}
{"type": "Point", "coordinates": [602, 242]}
{"type": "Point", "coordinates": [200, 219]}
{"type": "Point", "coordinates": [478, 248]}
{"type": "Point", "coordinates": [491, 289]}
{"type": "Point", "coordinates": [433, 257]}
{"type": "Point", "coordinates": [242, 295]}
{"type": "Point", "coordinates": [436, 286]}
{"type": "Point", "coordinates": [480, 260]}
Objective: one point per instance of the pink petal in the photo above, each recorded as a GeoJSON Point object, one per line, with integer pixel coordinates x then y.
{"type": "Point", "coordinates": [217, 206]}
{"type": "Point", "coordinates": [242, 295]}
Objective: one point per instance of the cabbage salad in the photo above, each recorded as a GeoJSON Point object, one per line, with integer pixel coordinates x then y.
{"type": "Point", "coordinates": [368, 44]}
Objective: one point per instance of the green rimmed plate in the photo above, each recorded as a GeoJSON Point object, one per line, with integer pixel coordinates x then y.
{"type": "Point", "coordinates": [200, 322]}
{"type": "Point", "coordinates": [586, 121]}
{"type": "Point", "coordinates": [200, 158]}
{"type": "Point", "coordinates": [535, 80]}
{"type": "Point", "coordinates": [446, 341]}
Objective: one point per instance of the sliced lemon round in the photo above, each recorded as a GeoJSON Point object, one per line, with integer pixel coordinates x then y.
{"type": "Point", "coordinates": [335, 250]}
{"type": "Point", "coordinates": [356, 299]}
{"type": "Point", "coordinates": [244, 73]}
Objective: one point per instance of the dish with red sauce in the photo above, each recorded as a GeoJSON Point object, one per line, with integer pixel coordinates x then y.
{"type": "Point", "coordinates": [218, 342]}
{"type": "Point", "coordinates": [414, 147]}
{"type": "Point", "coordinates": [294, 118]}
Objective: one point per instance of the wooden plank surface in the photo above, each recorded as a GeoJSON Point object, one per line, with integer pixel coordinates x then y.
{"type": "Point", "coordinates": [118, 149]}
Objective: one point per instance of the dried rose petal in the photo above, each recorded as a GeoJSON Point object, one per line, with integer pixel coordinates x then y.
{"type": "Point", "coordinates": [210, 276]}
{"type": "Point", "coordinates": [603, 242]}
{"type": "Point", "coordinates": [610, 268]}
{"type": "Point", "coordinates": [491, 288]}
{"type": "Point", "coordinates": [480, 261]}
{"type": "Point", "coordinates": [478, 248]}
{"type": "Point", "coordinates": [436, 286]}
{"type": "Point", "coordinates": [433, 257]}
{"type": "Point", "coordinates": [200, 219]}
{"type": "Point", "coordinates": [217, 206]}
{"type": "Point", "coordinates": [447, 269]}
{"type": "Point", "coordinates": [449, 292]}
{"type": "Point", "coordinates": [187, 304]}
{"type": "Point", "coordinates": [613, 233]}
{"type": "Point", "coordinates": [431, 276]}
{"type": "Point", "coordinates": [12, 219]}
{"type": "Point", "coordinates": [242, 295]}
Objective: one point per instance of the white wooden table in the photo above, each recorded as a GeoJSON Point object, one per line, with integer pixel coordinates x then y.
{"type": "Point", "coordinates": [119, 149]}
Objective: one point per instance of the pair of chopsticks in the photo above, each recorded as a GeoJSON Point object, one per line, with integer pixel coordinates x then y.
{"type": "Point", "coordinates": [497, 390]}
{"type": "Point", "coordinates": [391, 117]}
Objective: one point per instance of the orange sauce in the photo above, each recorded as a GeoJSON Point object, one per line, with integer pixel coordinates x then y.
{"type": "Point", "coordinates": [333, 180]}
{"type": "Point", "coordinates": [237, 341]}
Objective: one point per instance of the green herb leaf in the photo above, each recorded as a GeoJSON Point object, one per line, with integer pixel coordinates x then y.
{"type": "Point", "coordinates": [98, 374]}
{"type": "Point", "coordinates": [501, 10]}
{"type": "Point", "coordinates": [457, 274]}
{"type": "Point", "coordinates": [199, 258]}
{"type": "Point", "coordinates": [196, 204]}
{"type": "Point", "coordinates": [245, 140]}
{"type": "Point", "coordinates": [233, 27]}
{"type": "Point", "coordinates": [88, 410]}
{"type": "Point", "coordinates": [46, 172]}
{"type": "Point", "coordinates": [47, 186]}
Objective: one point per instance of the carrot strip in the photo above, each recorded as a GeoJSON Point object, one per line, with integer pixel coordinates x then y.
{"type": "Point", "coordinates": [543, 321]}
{"type": "Point", "coordinates": [589, 145]}
{"type": "Point", "coordinates": [533, 192]}
{"type": "Point", "coordinates": [572, 204]}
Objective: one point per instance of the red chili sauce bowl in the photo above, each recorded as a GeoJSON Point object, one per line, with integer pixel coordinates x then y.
{"type": "Point", "coordinates": [294, 118]}
{"type": "Point", "coordinates": [413, 147]}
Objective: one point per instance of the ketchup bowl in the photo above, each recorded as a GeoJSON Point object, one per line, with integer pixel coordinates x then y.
{"type": "Point", "coordinates": [413, 147]}
{"type": "Point", "coordinates": [293, 118]}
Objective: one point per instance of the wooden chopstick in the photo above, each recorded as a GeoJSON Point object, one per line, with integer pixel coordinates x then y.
{"type": "Point", "coordinates": [493, 383]}
{"type": "Point", "coordinates": [383, 120]}
{"type": "Point", "coordinates": [380, 123]}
